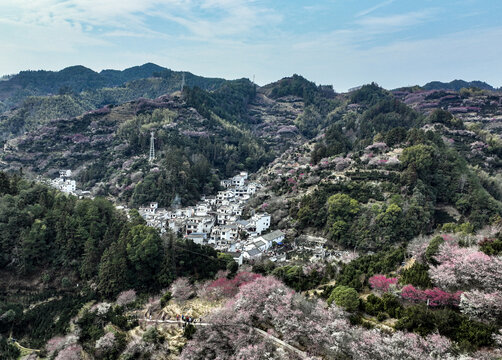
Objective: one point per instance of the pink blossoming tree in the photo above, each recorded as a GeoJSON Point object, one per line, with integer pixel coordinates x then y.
{"type": "Point", "coordinates": [381, 283]}
{"type": "Point", "coordinates": [466, 268]}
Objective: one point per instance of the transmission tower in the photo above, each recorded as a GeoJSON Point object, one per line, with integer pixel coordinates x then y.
{"type": "Point", "coordinates": [182, 81]}
{"type": "Point", "coordinates": [152, 147]}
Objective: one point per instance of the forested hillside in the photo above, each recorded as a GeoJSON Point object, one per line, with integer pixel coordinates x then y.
{"type": "Point", "coordinates": [58, 253]}
{"type": "Point", "coordinates": [201, 137]}
{"type": "Point", "coordinates": [45, 96]}
{"type": "Point", "coordinates": [79, 79]}
{"type": "Point", "coordinates": [383, 173]}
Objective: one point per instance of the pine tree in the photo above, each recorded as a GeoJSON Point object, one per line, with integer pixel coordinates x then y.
{"type": "Point", "coordinates": [112, 277]}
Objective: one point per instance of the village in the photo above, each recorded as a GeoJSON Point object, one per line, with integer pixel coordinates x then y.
{"type": "Point", "coordinates": [217, 221]}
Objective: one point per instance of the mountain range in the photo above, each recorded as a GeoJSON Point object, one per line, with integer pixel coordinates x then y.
{"type": "Point", "coordinates": [405, 183]}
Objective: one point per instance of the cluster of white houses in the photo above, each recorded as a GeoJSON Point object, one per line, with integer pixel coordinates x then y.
{"type": "Point", "coordinates": [216, 221]}
{"type": "Point", "coordinates": [66, 184]}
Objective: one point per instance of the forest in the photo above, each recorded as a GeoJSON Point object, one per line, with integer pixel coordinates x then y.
{"type": "Point", "coordinates": [74, 243]}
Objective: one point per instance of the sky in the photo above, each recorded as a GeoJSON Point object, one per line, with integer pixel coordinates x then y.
{"type": "Point", "coordinates": [344, 43]}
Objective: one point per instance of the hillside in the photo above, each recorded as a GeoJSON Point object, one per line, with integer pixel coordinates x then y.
{"type": "Point", "coordinates": [206, 136]}
{"type": "Point", "coordinates": [383, 173]}
{"type": "Point", "coordinates": [390, 202]}
{"type": "Point", "coordinates": [44, 96]}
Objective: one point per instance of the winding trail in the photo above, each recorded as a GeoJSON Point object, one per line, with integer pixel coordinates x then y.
{"type": "Point", "coordinates": [264, 334]}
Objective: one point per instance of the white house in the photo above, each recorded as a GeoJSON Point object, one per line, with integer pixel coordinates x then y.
{"type": "Point", "coordinates": [252, 254]}
{"type": "Point", "coordinates": [64, 173]}
{"type": "Point", "coordinates": [239, 180]}
{"type": "Point", "coordinates": [260, 222]}
{"type": "Point", "coordinates": [276, 236]}
{"type": "Point", "coordinates": [197, 238]}
{"type": "Point", "coordinates": [65, 185]}
{"type": "Point", "coordinates": [226, 183]}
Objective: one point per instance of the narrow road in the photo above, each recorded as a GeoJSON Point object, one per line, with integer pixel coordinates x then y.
{"type": "Point", "coordinates": [262, 333]}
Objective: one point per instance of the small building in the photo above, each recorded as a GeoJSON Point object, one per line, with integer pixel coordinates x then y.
{"type": "Point", "coordinates": [64, 173]}
{"type": "Point", "coordinates": [252, 254]}
{"type": "Point", "coordinates": [198, 238]}
{"type": "Point", "coordinates": [237, 256]}
{"type": "Point", "coordinates": [276, 236]}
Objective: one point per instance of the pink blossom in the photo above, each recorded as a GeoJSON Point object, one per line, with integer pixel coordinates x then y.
{"type": "Point", "coordinates": [224, 287]}
{"type": "Point", "coordinates": [438, 297]}
{"type": "Point", "coordinates": [72, 352]}
{"type": "Point", "coordinates": [433, 297]}
{"type": "Point", "coordinates": [381, 282]}
{"type": "Point", "coordinates": [181, 289]}
{"type": "Point", "coordinates": [466, 268]}
{"type": "Point", "coordinates": [410, 293]}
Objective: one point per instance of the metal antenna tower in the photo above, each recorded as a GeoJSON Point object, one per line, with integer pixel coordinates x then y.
{"type": "Point", "coordinates": [152, 147]}
{"type": "Point", "coordinates": [182, 81]}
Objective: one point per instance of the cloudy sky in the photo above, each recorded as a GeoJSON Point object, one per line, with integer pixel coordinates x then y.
{"type": "Point", "coordinates": [340, 42]}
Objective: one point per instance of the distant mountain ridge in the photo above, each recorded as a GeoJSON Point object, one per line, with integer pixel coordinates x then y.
{"type": "Point", "coordinates": [457, 85]}
{"type": "Point", "coordinates": [75, 79]}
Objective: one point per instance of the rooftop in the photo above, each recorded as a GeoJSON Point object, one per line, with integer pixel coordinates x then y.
{"type": "Point", "coordinates": [253, 252]}
{"type": "Point", "coordinates": [273, 235]}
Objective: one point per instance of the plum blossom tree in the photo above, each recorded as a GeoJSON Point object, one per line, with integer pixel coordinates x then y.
{"type": "Point", "coordinates": [72, 352]}
{"type": "Point", "coordinates": [226, 288]}
{"type": "Point", "coordinates": [417, 248]}
{"type": "Point", "coordinates": [466, 268]}
{"type": "Point", "coordinates": [434, 297]}
{"type": "Point", "coordinates": [105, 343]}
{"type": "Point", "coordinates": [410, 293]}
{"type": "Point", "coordinates": [482, 306]}
{"type": "Point", "coordinates": [381, 283]}
{"type": "Point", "coordinates": [59, 342]}
{"type": "Point", "coordinates": [308, 325]}
{"type": "Point", "coordinates": [181, 289]}
{"type": "Point", "coordinates": [126, 297]}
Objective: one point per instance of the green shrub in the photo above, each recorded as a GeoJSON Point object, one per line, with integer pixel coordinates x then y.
{"type": "Point", "coordinates": [165, 298]}
{"type": "Point", "coordinates": [433, 249]}
{"type": "Point", "coordinates": [8, 351]}
{"type": "Point", "coordinates": [416, 275]}
{"type": "Point", "coordinates": [152, 336]}
{"type": "Point", "coordinates": [381, 316]}
{"type": "Point", "coordinates": [346, 297]}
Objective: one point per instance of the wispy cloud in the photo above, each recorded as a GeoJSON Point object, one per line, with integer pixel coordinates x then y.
{"type": "Point", "coordinates": [374, 8]}
{"type": "Point", "coordinates": [397, 20]}
{"type": "Point", "coordinates": [328, 41]}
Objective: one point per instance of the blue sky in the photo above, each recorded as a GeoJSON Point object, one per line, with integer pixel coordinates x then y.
{"type": "Point", "coordinates": [340, 42]}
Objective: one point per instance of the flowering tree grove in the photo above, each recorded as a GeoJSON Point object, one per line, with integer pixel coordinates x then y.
{"type": "Point", "coordinates": [309, 325]}
{"type": "Point", "coordinates": [466, 268]}
{"type": "Point", "coordinates": [381, 283]}
{"type": "Point", "coordinates": [482, 306]}
{"type": "Point", "coordinates": [434, 297]}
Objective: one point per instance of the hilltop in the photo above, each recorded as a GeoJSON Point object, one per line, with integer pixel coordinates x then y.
{"type": "Point", "coordinates": [457, 85]}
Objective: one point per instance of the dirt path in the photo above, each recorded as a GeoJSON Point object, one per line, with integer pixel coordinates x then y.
{"type": "Point", "coordinates": [262, 333]}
